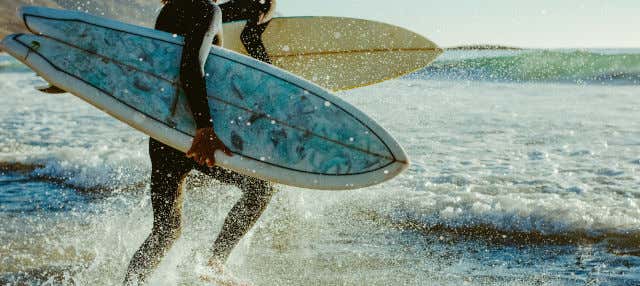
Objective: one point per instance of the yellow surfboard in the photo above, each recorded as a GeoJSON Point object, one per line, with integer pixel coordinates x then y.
{"type": "Point", "coordinates": [339, 53]}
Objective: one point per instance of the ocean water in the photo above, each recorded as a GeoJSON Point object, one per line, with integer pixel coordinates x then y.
{"type": "Point", "coordinates": [526, 171]}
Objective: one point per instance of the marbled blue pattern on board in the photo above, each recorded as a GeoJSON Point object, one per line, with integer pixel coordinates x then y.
{"type": "Point", "coordinates": [255, 113]}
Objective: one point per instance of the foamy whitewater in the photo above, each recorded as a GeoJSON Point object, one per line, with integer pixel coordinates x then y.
{"type": "Point", "coordinates": [526, 171]}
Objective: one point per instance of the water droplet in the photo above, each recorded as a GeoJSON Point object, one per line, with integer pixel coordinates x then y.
{"type": "Point", "coordinates": [386, 171]}
{"type": "Point", "coordinates": [248, 123]}
{"type": "Point", "coordinates": [351, 139]}
{"type": "Point", "coordinates": [327, 104]}
{"type": "Point", "coordinates": [273, 122]}
{"type": "Point", "coordinates": [262, 158]}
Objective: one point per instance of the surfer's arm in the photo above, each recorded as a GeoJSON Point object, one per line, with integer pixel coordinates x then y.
{"type": "Point", "coordinates": [251, 35]}
{"type": "Point", "coordinates": [194, 54]}
{"type": "Point", "coordinates": [204, 26]}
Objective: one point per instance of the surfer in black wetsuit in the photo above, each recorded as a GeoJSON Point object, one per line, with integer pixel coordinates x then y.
{"type": "Point", "coordinates": [200, 22]}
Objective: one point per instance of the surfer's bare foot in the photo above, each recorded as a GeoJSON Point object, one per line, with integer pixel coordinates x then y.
{"type": "Point", "coordinates": [220, 276]}
{"type": "Point", "coordinates": [204, 146]}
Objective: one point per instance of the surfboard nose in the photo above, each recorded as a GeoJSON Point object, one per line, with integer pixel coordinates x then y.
{"type": "Point", "coordinates": [11, 46]}
{"type": "Point", "coordinates": [47, 12]}
{"type": "Point", "coordinates": [34, 10]}
{"type": "Point", "coordinates": [26, 12]}
{"type": "Point", "coordinates": [6, 40]}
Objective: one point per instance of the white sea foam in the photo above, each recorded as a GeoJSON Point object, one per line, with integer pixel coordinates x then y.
{"type": "Point", "coordinates": [69, 139]}
{"type": "Point", "coordinates": [549, 158]}
{"type": "Point", "coordinates": [538, 157]}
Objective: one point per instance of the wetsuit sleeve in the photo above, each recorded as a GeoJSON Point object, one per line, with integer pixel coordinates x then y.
{"type": "Point", "coordinates": [251, 37]}
{"type": "Point", "coordinates": [167, 19]}
{"type": "Point", "coordinates": [193, 60]}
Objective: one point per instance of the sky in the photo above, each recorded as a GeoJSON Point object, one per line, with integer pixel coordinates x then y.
{"type": "Point", "coordinates": [532, 24]}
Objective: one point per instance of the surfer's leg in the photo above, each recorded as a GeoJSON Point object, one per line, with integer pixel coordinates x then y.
{"type": "Point", "coordinates": [256, 195]}
{"type": "Point", "coordinates": [169, 167]}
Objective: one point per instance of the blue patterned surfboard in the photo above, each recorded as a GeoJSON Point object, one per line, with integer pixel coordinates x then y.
{"type": "Point", "coordinates": [280, 127]}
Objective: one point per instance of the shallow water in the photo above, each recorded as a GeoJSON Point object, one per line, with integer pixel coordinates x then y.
{"type": "Point", "coordinates": [513, 183]}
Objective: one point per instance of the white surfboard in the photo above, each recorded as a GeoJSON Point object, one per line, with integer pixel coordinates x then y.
{"type": "Point", "coordinates": [336, 53]}
{"type": "Point", "coordinates": [280, 127]}
{"type": "Point", "coordinates": [340, 53]}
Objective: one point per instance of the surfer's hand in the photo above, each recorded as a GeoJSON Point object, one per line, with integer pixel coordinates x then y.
{"type": "Point", "coordinates": [204, 146]}
{"type": "Point", "coordinates": [266, 16]}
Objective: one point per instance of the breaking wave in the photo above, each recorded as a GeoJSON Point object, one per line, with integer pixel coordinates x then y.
{"type": "Point", "coordinates": [588, 67]}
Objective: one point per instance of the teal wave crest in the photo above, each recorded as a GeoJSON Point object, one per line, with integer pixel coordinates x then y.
{"type": "Point", "coordinates": [541, 66]}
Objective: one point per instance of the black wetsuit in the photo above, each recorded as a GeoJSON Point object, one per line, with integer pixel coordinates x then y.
{"type": "Point", "coordinates": [191, 19]}
{"type": "Point", "coordinates": [250, 10]}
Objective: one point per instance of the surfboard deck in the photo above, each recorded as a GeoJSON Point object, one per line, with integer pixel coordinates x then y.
{"type": "Point", "coordinates": [280, 127]}
{"type": "Point", "coordinates": [336, 53]}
